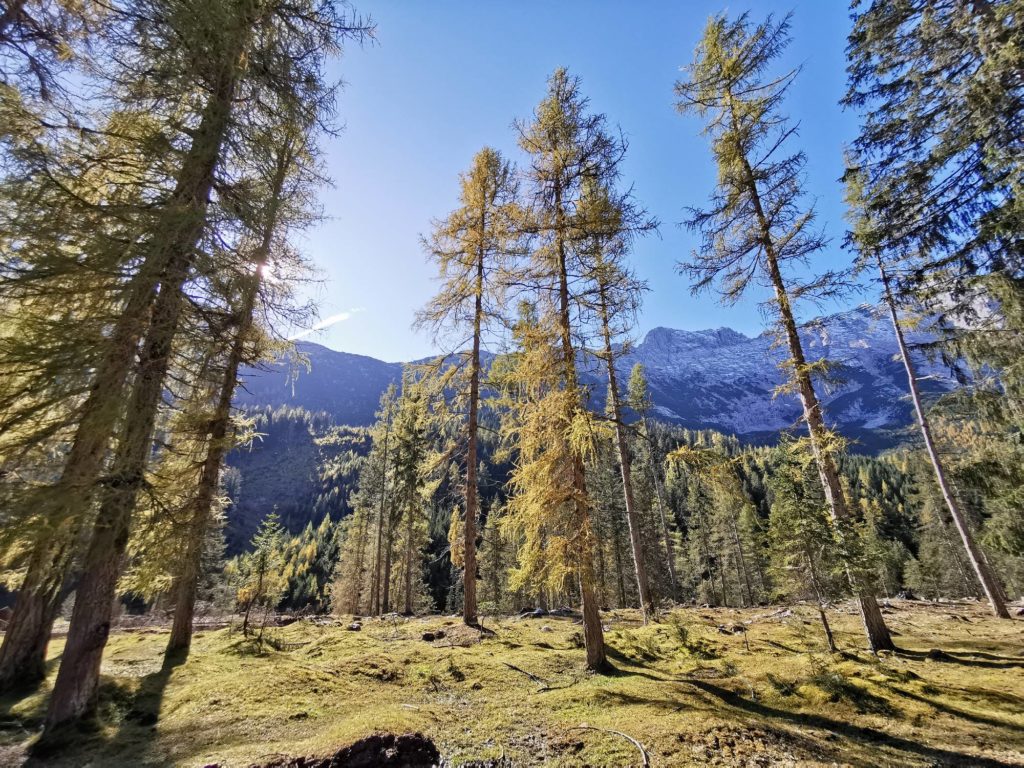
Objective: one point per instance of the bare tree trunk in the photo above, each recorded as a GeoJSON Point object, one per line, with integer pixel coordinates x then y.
{"type": "Point", "coordinates": [75, 688]}
{"type": "Point", "coordinates": [670, 556]}
{"type": "Point", "coordinates": [741, 563]}
{"type": "Point", "coordinates": [829, 637]}
{"type": "Point", "coordinates": [593, 634]}
{"type": "Point", "coordinates": [375, 586]}
{"type": "Point", "coordinates": [389, 545]}
{"type": "Point", "coordinates": [625, 462]}
{"type": "Point", "coordinates": [820, 599]}
{"type": "Point", "coordinates": [409, 551]}
{"type": "Point", "coordinates": [620, 578]}
{"type": "Point", "coordinates": [979, 563]}
{"type": "Point", "coordinates": [601, 568]}
{"type": "Point", "coordinates": [472, 496]}
{"type": "Point", "coordinates": [186, 581]}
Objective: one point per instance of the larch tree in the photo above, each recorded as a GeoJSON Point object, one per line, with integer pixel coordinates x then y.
{"type": "Point", "coordinates": [866, 239]}
{"type": "Point", "coordinates": [74, 202]}
{"type": "Point", "coordinates": [284, 207]}
{"type": "Point", "coordinates": [757, 225]}
{"type": "Point", "coordinates": [252, 62]}
{"type": "Point", "coordinates": [567, 146]}
{"type": "Point", "coordinates": [608, 222]}
{"type": "Point", "coordinates": [937, 168]}
{"type": "Point", "coordinates": [474, 247]}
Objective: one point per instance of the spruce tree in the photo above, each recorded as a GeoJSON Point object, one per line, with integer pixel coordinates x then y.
{"type": "Point", "coordinates": [639, 400]}
{"type": "Point", "coordinates": [757, 224]}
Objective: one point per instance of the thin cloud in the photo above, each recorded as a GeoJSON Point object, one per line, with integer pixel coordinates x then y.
{"type": "Point", "coordinates": [327, 322]}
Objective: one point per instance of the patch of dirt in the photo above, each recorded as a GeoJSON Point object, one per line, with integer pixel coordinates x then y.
{"type": "Point", "coordinates": [381, 750]}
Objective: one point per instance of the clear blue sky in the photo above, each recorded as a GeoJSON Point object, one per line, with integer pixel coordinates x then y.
{"type": "Point", "coordinates": [446, 78]}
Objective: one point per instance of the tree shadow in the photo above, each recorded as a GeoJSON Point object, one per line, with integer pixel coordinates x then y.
{"type": "Point", "coordinates": [987, 660]}
{"type": "Point", "coordinates": [860, 734]}
{"type": "Point", "coordinates": [781, 646]}
{"type": "Point", "coordinates": [136, 712]}
{"type": "Point", "coordinates": [949, 709]}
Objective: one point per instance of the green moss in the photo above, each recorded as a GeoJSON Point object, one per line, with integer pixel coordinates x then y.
{"type": "Point", "coordinates": [690, 694]}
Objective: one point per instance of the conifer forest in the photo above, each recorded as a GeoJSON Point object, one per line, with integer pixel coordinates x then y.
{"type": "Point", "coordinates": [544, 542]}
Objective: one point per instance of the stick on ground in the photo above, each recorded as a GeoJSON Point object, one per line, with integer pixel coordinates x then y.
{"type": "Point", "coordinates": [643, 752]}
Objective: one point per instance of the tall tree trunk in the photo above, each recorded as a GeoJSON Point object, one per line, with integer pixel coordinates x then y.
{"type": "Point", "coordinates": [593, 634]}
{"type": "Point", "coordinates": [820, 599]}
{"type": "Point", "coordinates": [979, 563]}
{"type": "Point", "coordinates": [355, 602]}
{"type": "Point", "coordinates": [620, 569]}
{"type": "Point", "coordinates": [472, 496]}
{"type": "Point", "coordinates": [670, 556]}
{"type": "Point", "coordinates": [625, 461]}
{"type": "Point", "coordinates": [375, 586]}
{"type": "Point", "coordinates": [875, 629]}
{"type": "Point", "coordinates": [741, 562]}
{"type": "Point", "coordinates": [409, 552]}
{"type": "Point", "coordinates": [389, 546]}
{"type": "Point", "coordinates": [874, 625]}
{"type": "Point", "coordinates": [23, 651]}
{"type": "Point", "coordinates": [186, 581]}
{"type": "Point", "coordinates": [75, 687]}
{"type": "Point", "coordinates": [600, 572]}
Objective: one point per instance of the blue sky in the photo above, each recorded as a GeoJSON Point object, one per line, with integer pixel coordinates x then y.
{"type": "Point", "coordinates": [446, 78]}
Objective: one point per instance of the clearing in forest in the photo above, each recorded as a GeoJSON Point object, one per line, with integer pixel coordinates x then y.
{"type": "Point", "coordinates": [750, 687]}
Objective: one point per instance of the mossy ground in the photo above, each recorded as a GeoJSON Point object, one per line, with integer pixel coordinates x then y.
{"type": "Point", "coordinates": [690, 693]}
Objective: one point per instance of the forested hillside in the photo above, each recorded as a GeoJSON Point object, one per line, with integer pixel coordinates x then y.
{"type": "Point", "coordinates": [806, 543]}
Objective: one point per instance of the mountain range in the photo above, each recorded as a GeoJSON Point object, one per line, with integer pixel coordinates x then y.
{"type": "Point", "coordinates": [719, 379]}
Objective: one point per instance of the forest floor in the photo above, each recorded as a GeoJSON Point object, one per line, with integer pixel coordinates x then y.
{"type": "Point", "coordinates": [751, 687]}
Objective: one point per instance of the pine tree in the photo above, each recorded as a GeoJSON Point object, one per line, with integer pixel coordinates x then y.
{"type": "Point", "coordinates": [756, 224]}
{"type": "Point", "coordinates": [473, 248]}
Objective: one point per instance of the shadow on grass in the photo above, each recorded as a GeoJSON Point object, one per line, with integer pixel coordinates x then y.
{"type": "Point", "coordinates": [949, 709]}
{"type": "Point", "coordinates": [985, 660]}
{"type": "Point", "coordinates": [863, 735]}
{"type": "Point", "coordinates": [136, 713]}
